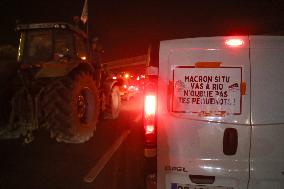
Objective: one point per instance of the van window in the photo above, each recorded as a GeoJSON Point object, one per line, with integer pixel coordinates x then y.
{"type": "Point", "coordinates": [38, 46]}
{"type": "Point", "coordinates": [63, 43]}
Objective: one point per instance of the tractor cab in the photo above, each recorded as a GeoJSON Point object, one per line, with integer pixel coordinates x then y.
{"type": "Point", "coordinates": [50, 43]}
{"type": "Point", "coordinates": [51, 49]}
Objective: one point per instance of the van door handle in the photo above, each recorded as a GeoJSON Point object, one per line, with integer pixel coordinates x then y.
{"type": "Point", "coordinates": [230, 141]}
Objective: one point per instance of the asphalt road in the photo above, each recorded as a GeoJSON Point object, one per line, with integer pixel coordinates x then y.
{"type": "Point", "coordinates": [112, 159]}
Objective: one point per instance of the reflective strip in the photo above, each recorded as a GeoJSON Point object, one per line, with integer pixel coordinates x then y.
{"type": "Point", "coordinates": [150, 152]}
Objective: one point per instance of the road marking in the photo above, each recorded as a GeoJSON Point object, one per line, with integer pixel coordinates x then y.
{"type": "Point", "coordinates": [137, 118]}
{"type": "Point", "coordinates": [95, 171]}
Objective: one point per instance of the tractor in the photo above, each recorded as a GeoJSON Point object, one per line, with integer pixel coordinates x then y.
{"type": "Point", "coordinates": [59, 85]}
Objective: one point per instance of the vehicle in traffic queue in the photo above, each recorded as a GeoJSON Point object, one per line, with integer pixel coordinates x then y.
{"type": "Point", "coordinates": [214, 112]}
{"type": "Point", "coordinates": [127, 87]}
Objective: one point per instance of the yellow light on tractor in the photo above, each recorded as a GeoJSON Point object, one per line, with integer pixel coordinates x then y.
{"type": "Point", "coordinates": [83, 58]}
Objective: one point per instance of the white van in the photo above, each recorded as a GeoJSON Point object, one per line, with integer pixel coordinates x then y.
{"type": "Point", "coordinates": [217, 113]}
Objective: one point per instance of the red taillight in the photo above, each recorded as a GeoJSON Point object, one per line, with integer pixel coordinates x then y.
{"type": "Point", "coordinates": [150, 105]}
{"type": "Point", "coordinates": [149, 114]}
{"type": "Point", "coordinates": [234, 42]}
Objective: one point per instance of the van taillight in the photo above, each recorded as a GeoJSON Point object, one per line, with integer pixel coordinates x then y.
{"type": "Point", "coordinates": [149, 114]}
{"type": "Point", "coordinates": [150, 107]}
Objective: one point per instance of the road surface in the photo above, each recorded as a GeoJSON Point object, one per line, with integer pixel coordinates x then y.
{"type": "Point", "coordinates": [112, 159]}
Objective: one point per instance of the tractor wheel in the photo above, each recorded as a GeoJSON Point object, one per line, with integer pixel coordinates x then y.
{"type": "Point", "coordinates": [113, 109]}
{"type": "Point", "coordinates": [71, 108]}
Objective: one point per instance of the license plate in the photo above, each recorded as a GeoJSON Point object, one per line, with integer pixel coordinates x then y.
{"type": "Point", "coordinates": [188, 186]}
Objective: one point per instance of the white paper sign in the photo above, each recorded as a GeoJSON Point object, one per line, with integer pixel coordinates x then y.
{"type": "Point", "coordinates": [213, 91]}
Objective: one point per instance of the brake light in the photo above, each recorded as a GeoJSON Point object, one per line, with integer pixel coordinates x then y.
{"type": "Point", "coordinates": [150, 116]}
{"type": "Point", "coordinates": [234, 42]}
{"type": "Point", "coordinates": [150, 105]}
{"type": "Point", "coordinates": [150, 119]}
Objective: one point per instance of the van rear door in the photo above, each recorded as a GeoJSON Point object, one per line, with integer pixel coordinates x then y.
{"type": "Point", "coordinates": [267, 143]}
{"type": "Point", "coordinates": [203, 136]}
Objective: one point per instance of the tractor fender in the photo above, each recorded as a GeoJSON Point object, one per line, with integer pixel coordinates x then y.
{"type": "Point", "coordinates": [83, 66]}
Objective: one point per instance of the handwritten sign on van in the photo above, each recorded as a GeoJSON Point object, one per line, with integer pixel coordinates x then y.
{"type": "Point", "coordinates": [212, 91]}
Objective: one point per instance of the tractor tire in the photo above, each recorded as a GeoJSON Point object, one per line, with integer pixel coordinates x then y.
{"type": "Point", "coordinates": [71, 108]}
{"type": "Point", "coordinates": [113, 109]}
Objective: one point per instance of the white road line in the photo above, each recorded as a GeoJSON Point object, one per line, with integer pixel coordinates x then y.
{"type": "Point", "coordinates": [137, 118]}
{"type": "Point", "coordinates": [95, 171]}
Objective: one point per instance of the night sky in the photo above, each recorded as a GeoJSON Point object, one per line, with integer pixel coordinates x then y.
{"type": "Point", "coordinates": [126, 27]}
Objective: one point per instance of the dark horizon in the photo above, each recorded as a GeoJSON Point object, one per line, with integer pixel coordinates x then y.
{"type": "Point", "coordinates": [126, 27]}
